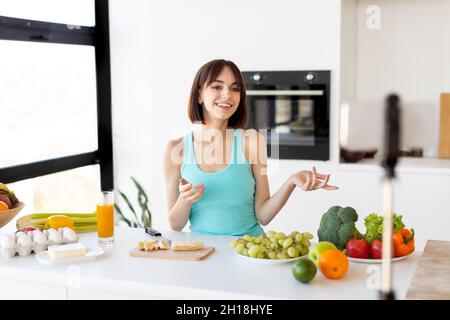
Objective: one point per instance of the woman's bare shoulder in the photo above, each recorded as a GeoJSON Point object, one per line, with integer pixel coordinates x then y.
{"type": "Point", "coordinates": [173, 143]}
{"type": "Point", "coordinates": [253, 143]}
{"type": "Point", "coordinates": [174, 151]}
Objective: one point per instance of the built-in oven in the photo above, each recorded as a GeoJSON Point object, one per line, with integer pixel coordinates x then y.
{"type": "Point", "coordinates": [292, 108]}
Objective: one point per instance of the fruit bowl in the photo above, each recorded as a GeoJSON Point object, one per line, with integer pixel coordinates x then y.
{"type": "Point", "coordinates": [7, 215]}
{"type": "Point", "coordinates": [377, 261]}
{"type": "Point", "coordinates": [269, 261]}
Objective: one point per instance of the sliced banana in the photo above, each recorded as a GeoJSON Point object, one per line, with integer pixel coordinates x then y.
{"type": "Point", "coordinates": [151, 245]}
{"type": "Point", "coordinates": [164, 245]}
{"type": "Point", "coordinates": [141, 245]}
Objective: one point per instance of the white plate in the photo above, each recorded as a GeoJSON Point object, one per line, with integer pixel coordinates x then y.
{"type": "Point", "coordinates": [92, 253]}
{"type": "Point", "coordinates": [376, 260]}
{"type": "Point", "coordinates": [268, 261]}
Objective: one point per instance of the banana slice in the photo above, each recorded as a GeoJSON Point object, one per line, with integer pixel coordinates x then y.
{"type": "Point", "coordinates": [163, 245]}
{"type": "Point", "coordinates": [150, 245]}
{"type": "Point", "coordinates": [186, 246]}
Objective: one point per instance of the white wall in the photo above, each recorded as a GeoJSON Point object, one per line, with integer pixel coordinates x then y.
{"type": "Point", "coordinates": [156, 48]}
{"type": "Point", "coordinates": [408, 55]}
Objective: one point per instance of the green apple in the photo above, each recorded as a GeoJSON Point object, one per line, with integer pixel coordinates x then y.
{"type": "Point", "coordinates": [315, 252]}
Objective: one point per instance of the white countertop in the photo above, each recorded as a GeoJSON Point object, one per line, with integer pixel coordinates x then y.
{"type": "Point", "coordinates": [405, 165]}
{"type": "Point", "coordinates": [223, 275]}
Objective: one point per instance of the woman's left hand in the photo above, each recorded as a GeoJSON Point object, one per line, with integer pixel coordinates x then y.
{"type": "Point", "coordinates": [311, 180]}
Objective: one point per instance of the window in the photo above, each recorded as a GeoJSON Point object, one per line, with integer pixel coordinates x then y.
{"type": "Point", "coordinates": [72, 191]}
{"type": "Point", "coordinates": [48, 101]}
{"type": "Point", "coordinates": [75, 12]}
{"type": "Point", "coordinates": [54, 81]}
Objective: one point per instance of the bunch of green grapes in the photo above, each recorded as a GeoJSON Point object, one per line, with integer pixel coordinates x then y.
{"type": "Point", "coordinates": [273, 245]}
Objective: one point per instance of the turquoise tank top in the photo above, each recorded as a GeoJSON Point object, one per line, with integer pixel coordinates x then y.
{"type": "Point", "coordinates": [228, 203]}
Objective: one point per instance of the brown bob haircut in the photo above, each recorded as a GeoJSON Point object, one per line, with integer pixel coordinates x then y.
{"type": "Point", "coordinates": [207, 74]}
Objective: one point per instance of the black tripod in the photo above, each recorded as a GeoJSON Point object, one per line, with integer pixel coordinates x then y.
{"type": "Point", "coordinates": [391, 150]}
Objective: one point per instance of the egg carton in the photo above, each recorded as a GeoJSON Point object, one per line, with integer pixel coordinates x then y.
{"type": "Point", "coordinates": [24, 244]}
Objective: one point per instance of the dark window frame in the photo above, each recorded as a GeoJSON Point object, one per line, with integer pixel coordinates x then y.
{"type": "Point", "coordinates": [97, 36]}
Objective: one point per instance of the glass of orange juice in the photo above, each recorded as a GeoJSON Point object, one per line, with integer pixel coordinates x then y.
{"type": "Point", "coordinates": [105, 217]}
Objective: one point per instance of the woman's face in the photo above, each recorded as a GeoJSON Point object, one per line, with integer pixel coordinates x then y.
{"type": "Point", "coordinates": [221, 97]}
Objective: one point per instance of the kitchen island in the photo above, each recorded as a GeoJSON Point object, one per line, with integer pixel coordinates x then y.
{"type": "Point", "coordinates": [222, 275]}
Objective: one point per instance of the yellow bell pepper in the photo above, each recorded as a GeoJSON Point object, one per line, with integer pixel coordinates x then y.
{"type": "Point", "coordinates": [60, 221]}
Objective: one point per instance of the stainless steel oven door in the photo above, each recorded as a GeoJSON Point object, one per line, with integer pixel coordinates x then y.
{"type": "Point", "coordinates": [289, 115]}
{"type": "Point", "coordinates": [293, 107]}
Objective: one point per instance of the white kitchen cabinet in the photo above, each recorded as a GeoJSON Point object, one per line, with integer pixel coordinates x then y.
{"type": "Point", "coordinates": [11, 289]}
{"type": "Point", "coordinates": [97, 294]}
{"type": "Point", "coordinates": [291, 35]}
{"type": "Point", "coordinates": [424, 202]}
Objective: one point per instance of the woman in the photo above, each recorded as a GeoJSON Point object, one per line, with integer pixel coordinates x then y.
{"type": "Point", "coordinates": [216, 175]}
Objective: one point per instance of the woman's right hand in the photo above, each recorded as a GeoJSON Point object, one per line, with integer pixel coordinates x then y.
{"type": "Point", "coordinates": [189, 193]}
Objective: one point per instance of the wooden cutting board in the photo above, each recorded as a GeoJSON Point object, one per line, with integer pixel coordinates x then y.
{"type": "Point", "coordinates": [432, 277]}
{"type": "Point", "coordinates": [194, 255]}
{"type": "Point", "coordinates": [444, 128]}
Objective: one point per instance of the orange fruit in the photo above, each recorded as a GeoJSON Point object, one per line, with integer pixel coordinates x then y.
{"type": "Point", "coordinates": [333, 263]}
{"type": "Point", "coordinates": [3, 206]}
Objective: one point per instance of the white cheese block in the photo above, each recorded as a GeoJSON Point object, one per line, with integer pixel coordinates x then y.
{"type": "Point", "coordinates": [67, 251]}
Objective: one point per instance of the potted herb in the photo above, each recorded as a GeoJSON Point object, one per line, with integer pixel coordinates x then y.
{"type": "Point", "coordinates": [144, 219]}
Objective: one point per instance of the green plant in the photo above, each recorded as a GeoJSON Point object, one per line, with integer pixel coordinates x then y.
{"type": "Point", "coordinates": [145, 219]}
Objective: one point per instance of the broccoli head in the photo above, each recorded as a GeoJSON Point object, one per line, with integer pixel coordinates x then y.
{"type": "Point", "coordinates": [338, 226]}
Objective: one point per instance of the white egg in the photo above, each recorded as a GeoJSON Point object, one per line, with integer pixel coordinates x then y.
{"type": "Point", "coordinates": [55, 237]}
{"type": "Point", "coordinates": [69, 234]}
{"type": "Point", "coordinates": [34, 232]}
{"type": "Point", "coordinates": [7, 241]}
{"type": "Point", "coordinates": [40, 238]}
{"type": "Point", "coordinates": [20, 234]}
{"type": "Point", "coordinates": [24, 241]}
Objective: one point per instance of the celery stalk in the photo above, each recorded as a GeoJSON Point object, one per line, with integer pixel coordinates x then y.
{"type": "Point", "coordinates": [72, 215]}
{"type": "Point", "coordinates": [84, 220]}
{"type": "Point", "coordinates": [87, 228]}
{"type": "Point", "coordinates": [40, 220]}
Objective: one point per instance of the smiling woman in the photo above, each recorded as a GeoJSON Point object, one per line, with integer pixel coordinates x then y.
{"type": "Point", "coordinates": [216, 176]}
{"type": "Point", "coordinates": [218, 91]}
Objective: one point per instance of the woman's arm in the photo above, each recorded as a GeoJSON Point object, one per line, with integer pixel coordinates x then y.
{"type": "Point", "coordinates": [267, 207]}
{"type": "Point", "coordinates": [178, 210]}
{"type": "Point", "coordinates": [180, 193]}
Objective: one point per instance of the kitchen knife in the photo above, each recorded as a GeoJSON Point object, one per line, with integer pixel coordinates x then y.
{"type": "Point", "coordinates": [156, 235]}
